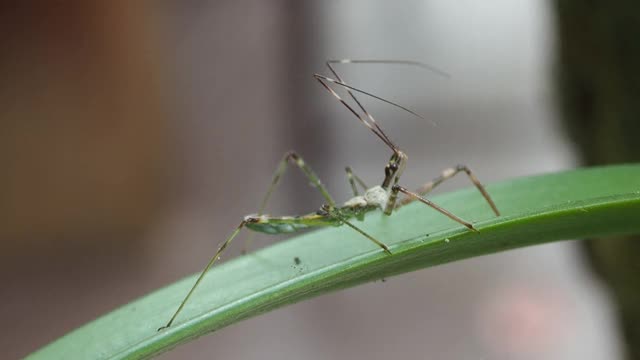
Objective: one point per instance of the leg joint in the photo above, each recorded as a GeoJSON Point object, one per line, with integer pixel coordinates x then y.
{"type": "Point", "coordinates": [291, 154]}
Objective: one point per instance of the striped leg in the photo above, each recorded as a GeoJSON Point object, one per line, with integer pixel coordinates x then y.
{"type": "Point", "coordinates": [447, 174]}
{"type": "Point", "coordinates": [339, 81]}
{"type": "Point", "coordinates": [289, 158]}
{"type": "Point", "coordinates": [353, 178]}
{"type": "Point", "coordinates": [292, 158]}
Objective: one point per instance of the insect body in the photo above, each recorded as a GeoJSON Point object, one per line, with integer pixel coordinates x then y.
{"type": "Point", "coordinates": [356, 207]}
{"type": "Point", "coordinates": [381, 197]}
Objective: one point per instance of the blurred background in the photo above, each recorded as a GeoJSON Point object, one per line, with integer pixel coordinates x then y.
{"type": "Point", "coordinates": [134, 135]}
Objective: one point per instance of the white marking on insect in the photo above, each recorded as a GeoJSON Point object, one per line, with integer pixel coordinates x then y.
{"type": "Point", "coordinates": [377, 196]}
{"type": "Point", "coordinates": [448, 172]}
{"type": "Point", "coordinates": [356, 201]}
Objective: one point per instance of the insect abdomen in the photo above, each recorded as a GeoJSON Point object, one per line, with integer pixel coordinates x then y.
{"type": "Point", "coordinates": [282, 225]}
{"type": "Point", "coordinates": [276, 228]}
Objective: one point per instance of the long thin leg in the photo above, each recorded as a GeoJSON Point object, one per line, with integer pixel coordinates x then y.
{"type": "Point", "coordinates": [425, 66]}
{"type": "Point", "coordinates": [368, 120]}
{"type": "Point", "coordinates": [349, 87]}
{"type": "Point", "coordinates": [337, 215]}
{"type": "Point", "coordinates": [398, 188]}
{"type": "Point", "coordinates": [211, 262]}
{"type": "Point", "coordinates": [353, 178]}
{"type": "Point", "coordinates": [448, 174]}
{"type": "Point", "coordinates": [343, 83]}
{"type": "Point", "coordinates": [291, 158]}
{"type": "Point", "coordinates": [371, 124]}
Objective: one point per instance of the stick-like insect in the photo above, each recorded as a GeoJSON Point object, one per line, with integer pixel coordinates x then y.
{"type": "Point", "coordinates": [383, 196]}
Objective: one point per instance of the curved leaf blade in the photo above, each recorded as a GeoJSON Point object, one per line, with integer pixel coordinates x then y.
{"type": "Point", "coordinates": [574, 204]}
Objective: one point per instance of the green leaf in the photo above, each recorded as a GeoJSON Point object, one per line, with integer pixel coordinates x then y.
{"type": "Point", "coordinates": [574, 204]}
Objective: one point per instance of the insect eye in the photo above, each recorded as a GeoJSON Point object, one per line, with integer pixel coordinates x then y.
{"type": "Point", "coordinates": [394, 166]}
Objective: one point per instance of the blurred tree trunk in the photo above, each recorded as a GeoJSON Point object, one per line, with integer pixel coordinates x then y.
{"type": "Point", "coordinates": [599, 88]}
{"type": "Point", "coordinates": [82, 136]}
{"type": "Point", "coordinates": [84, 153]}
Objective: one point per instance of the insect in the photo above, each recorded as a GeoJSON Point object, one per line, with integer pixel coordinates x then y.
{"type": "Point", "coordinates": [381, 197]}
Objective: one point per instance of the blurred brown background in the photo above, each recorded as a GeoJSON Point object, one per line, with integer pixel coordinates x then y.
{"type": "Point", "coordinates": [134, 135]}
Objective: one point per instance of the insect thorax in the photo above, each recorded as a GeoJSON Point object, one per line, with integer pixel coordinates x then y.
{"type": "Point", "coordinates": [375, 196]}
